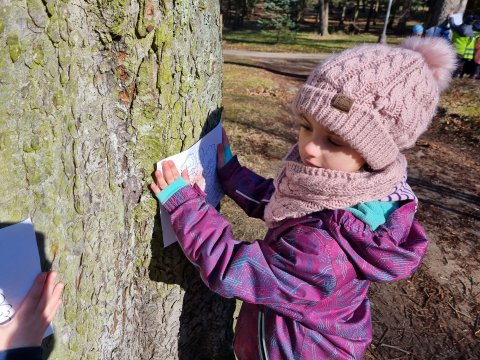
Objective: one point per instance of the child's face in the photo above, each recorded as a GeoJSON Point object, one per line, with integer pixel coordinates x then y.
{"type": "Point", "coordinates": [321, 148]}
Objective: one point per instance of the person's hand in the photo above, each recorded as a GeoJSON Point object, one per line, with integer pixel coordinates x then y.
{"type": "Point", "coordinates": [31, 320]}
{"type": "Point", "coordinates": [167, 176]}
{"type": "Point", "coordinates": [221, 150]}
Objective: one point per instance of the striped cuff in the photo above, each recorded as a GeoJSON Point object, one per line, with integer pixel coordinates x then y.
{"type": "Point", "coordinates": [170, 190]}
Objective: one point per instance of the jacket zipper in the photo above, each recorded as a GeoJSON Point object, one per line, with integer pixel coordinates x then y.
{"type": "Point", "coordinates": [262, 348]}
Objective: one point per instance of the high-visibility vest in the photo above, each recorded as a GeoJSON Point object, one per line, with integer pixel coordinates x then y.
{"type": "Point", "coordinates": [464, 45]}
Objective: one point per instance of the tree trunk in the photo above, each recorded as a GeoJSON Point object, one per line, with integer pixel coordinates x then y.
{"type": "Point", "coordinates": [375, 12]}
{"type": "Point", "coordinates": [439, 10]}
{"type": "Point", "coordinates": [341, 23]}
{"type": "Point", "coordinates": [370, 15]}
{"type": "Point", "coordinates": [93, 94]}
{"type": "Point", "coordinates": [404, 17]}
{"type": "Point", "coordinates": [322, 18]}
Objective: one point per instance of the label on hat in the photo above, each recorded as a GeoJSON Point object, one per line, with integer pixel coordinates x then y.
{"type": "Point", "coordinates": [342, 102]}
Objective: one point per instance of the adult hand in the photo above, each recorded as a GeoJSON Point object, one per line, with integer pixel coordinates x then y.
{"type": "Point", "coordinates": [29, 323]}
{"type": "Point", "coordinates": [167, 176]}
{"type": "Point", "coordinates": [221, 161]}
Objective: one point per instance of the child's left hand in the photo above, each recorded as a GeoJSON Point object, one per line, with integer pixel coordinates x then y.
{"type": "Point", "coordinates": [167, 176]}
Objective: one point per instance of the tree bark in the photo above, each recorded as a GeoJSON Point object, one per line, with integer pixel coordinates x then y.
{"type": "Point", "coordinates": [440, 9]}
{"type": "Point", "coordinates": [94, 92]}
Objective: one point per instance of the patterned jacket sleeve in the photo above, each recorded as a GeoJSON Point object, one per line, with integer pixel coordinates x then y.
{"type": "Point", "coordinates": [250, 191]}
{"type": "Point", "coordinates": [258, 272]}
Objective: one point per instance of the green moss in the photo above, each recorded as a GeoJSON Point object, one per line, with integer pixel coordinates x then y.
{"type": "Point", "coordinates": [35, 143]}
{"type": "Point", "coordinates": [51, 6]}
{"type": "Point", "coordinates": [38, 55]}
{"type": "Point", "coordinates": [117, 12]}
{"type": "Point", "coordinates": [2, 26]}
{"type": "Point", "coordinates": [53, 30]}
{"type": "Point", "coordinates": [164, 34]}
{"type": "Point", "coordinates": [36, 9]}
{"type": "Point", "coordinates": [58, 99]}
{"type": "Point", "coordinates": [14, 48]}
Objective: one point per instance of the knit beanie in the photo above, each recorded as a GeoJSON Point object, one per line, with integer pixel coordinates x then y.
{"type": "Point", "coordinates": [379, 98]}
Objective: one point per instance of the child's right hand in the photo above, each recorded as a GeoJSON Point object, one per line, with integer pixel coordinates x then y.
{"type": "Point", "coordinates": [224, 154]}
{"type": "Point", "coordinates": [29, 323]}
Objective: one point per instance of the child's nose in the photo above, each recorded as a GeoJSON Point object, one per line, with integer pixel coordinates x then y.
{"type": "Point", "coordinates": [313, 148]}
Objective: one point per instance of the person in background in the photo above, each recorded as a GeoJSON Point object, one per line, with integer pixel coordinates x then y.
{"type": "Point", "coordinates": [21, 337]}
{"type": "Point", "coordinates": [417, 30]}
{"type": "Point", "coordinates": [442, 30]}
{"type": "Point", "coordinates": [463, 39]}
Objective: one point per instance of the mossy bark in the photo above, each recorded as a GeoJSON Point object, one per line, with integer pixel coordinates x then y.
{"type": "Point", "coordinates": [93, 94]}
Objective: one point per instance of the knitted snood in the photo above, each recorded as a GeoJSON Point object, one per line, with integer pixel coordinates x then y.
{"type": "Point", "coordinates": [302, 190]}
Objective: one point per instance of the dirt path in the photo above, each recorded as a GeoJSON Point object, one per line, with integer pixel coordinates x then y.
{"type": "Point", "coordinates": [435, 314]}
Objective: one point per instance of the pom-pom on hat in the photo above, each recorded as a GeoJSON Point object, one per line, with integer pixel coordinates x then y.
{"type": "Point", "coordinates": [379, 98]}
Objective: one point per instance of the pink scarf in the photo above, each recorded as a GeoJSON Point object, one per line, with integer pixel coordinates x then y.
{"type": "Point", "coordinates": [302, 190]}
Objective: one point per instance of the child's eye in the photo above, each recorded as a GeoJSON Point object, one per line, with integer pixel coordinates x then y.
{"type": "Point", "coordinates": [306, 127]}
{"type": "Point", "coordinates": [333, 142]}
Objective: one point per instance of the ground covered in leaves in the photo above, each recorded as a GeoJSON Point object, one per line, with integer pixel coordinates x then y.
{"type": "Point", "coordinates": [436, 313]}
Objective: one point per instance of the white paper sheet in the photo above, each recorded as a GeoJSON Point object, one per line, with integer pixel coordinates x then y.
{"type": "Point", "coordinates": [458, 18]}
{"type": "Point", "coordinates": [200, 159]}
{"type": "Point", "coordinates": [19, 266]}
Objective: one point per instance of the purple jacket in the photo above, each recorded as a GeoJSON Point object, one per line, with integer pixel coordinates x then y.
{"type": "Point", "coordinates": [304, 287]}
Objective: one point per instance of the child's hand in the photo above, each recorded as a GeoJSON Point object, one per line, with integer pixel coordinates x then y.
{"type": "Point", "coordinates": [221, 149]}
{"type": "Point", "coordinates": [36, 312]}
{"type": "Point", "coordinates": [167, 176]}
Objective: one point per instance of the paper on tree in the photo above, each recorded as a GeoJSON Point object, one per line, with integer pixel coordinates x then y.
{"type": "Point", "coordinates": [200, 159]}
{"type": "Point", "coordinates": [19, 266]}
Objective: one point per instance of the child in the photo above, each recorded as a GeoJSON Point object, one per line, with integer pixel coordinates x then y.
{"type": "Point", "coordinates": [339, 212]}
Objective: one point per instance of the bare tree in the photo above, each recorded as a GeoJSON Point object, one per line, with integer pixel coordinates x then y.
{"type": "Point", "coordinates": [93, 94]}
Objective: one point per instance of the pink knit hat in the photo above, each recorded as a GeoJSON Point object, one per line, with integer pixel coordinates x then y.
{"type": "Point", "coordinates": [379, 98]}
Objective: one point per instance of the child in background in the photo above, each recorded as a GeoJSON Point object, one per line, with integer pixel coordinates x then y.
{"type": "Point", "coordinates": [417, 30]}
{"type": "Point", "coordinates": [463, 39]}
{"type": "Point", "coordinates": [340, 213]}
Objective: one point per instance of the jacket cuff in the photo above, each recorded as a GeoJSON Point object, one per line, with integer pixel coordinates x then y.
{"type": "Point", "coordinates": [30, 353]}
{"type": "Point", "coordinates": [170, 190]}
{"type": "Point", "coordinates": [183, 195]}
{"type": "Point", "coordinates": [226, 172]}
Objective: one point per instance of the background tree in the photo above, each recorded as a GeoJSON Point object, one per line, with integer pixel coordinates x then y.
{"type": "Point", "coordinates": [322, 17]}
{"type": "Point", "coordinates": [93, 94]}
{"type": "Point", "coordinates": [439, 10]}
{"type": "Point", "coordinates": [280, 16]}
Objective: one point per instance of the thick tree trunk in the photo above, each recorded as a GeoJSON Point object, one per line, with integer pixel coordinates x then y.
{"type": "Point", "coordinates": [93, 94]}
{"type": "Point", "coordinates": [440, 9]}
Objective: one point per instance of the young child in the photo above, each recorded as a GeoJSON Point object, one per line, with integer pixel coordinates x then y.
{"type": "Point", "coordinates": [339, 212]}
